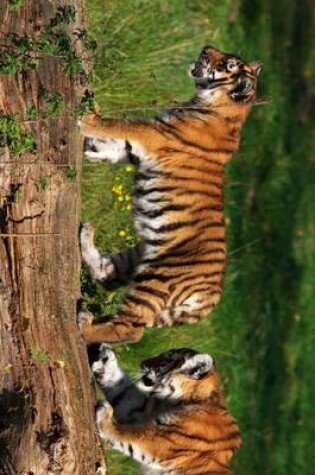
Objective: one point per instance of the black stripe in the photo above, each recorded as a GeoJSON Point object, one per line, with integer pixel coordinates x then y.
{"type": "Point", "coordinates": [159, 200]}
{"type": "Point", "coordinates": [153, 291]}
{"type": "Point", "coordinates": [126, 314]}
{"type": "Point", "coordinates": [147, 276]}
{"type": "Point", "coordinates": [159, 212]}
{"type": "Point", "coordinates": [220, 167]}
{"type": "Point", "coordinates": [188, 263]}
{"type": "Point", "coordinates": [173, 226]}
{"type": "Point", "coordinates": [208, 194]}
{"type": "Point", "coordinates": [139, 324]}
{"type": "Point", "coordinates": [161, 260]}
{"type": "Point", "coordinates": [231, 436]}
{"type": "Point", "coordinates": [180, 244]}
{"type": "Point", "coordinates": [139, 301]}
{"type": "Point", "coordinates": [182, 252]}
{"type": "Point", "coordinates": [205, 225]}
{"type": "Point", "coordinates": [188, 277]}
{"type": "Point", "coordinates": [199, 180]}
{"type": "Point", "coordinates": [193, 290]}
{"type": "Point", "coordinates": [153, 175]}
{"type": "Point", "coordinates": [116, 321]}
{"type": "Point", "coordinates": [157, 189]}
{"type": "Point", "coordinates": [166, 124]}
{"type": "Point", "coordinates": [157, 242]}
{"type": "Point", "coordinates": [190, 436]}
{"type": "Point", "coordinates": [189, 143]}
{"type": "Point", "coordinates": [195, 279]}
{"type": "Point", "coordinates": [169, 150]}
{"type": "Point", "coordinates": [226, 151]}
{"type": "Point", "coordinates": [201, 169]}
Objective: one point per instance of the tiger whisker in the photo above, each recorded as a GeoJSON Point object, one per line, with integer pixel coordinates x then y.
{"type": "Point", "coordinates": [245, 246]}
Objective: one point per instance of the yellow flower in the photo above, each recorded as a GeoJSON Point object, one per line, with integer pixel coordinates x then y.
{"type": "Point", "coordinates": [129, 168]}
{"type": "Point", "coordinates": [120, 199]}
{"type": "Point", "coordinates": [122, 233]}
{"type": "Point", "coordinates": [128, 207]}
{"type": "Point", "coordinates": [8, 368]}
{"type": "Point", "coordinates": [127, 197]}
{"type": "Point", "coordinates": [117, 189]}
{"type": "Point", "coordinates": [111, 296]}
{"type": "Point", "coordinates": [60, 364]}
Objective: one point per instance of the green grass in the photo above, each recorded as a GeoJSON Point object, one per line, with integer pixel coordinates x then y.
{"type": "Point", "coordinates": [263, 330]}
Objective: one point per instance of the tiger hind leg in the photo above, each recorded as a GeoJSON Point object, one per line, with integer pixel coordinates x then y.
{"type": "Point", "coordinates": [195, 308]}
{"type": "Point", "coordinates": [113, 268]}
{"type": "Point", "coordinates": [116, 330]}
{"type": "Point", "coordinates": [140, 308]}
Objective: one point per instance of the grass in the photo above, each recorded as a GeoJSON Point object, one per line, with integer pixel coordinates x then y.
{"type": "Point", "coordinates": [263, 330]}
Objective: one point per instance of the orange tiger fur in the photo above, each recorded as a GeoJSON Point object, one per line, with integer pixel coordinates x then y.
{"type": "Point", "coordinates": [177, 270]}
{"type": "Point", "coordinates": [180, 426]}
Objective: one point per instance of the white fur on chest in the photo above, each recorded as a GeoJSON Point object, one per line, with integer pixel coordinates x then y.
{"type": "Point", "coordinates": [148, 226]}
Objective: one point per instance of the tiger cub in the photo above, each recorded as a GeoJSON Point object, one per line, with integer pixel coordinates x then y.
{"type": "Point", "coordinates": [175, 421]}
{"type": "Point", "coordinates": [176, 271]}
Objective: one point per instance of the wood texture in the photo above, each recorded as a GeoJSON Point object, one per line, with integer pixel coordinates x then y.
{"type": "Point", "coordinates": [46, 399]}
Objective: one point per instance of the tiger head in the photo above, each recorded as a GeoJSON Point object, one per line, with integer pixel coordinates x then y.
{"type": "Point", "coordinates": [216, 72]}
{"type": "Point", "coordinates": [181, 374]}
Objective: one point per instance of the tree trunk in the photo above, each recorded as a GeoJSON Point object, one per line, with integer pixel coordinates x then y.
{"type": "Point", "coordinates": [46, 400]}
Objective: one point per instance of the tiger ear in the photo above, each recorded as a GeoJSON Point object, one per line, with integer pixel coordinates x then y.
{"type": "Point", "coordinates": [256, 67]}
{"type": "Point", "coordinates": [198, 366]}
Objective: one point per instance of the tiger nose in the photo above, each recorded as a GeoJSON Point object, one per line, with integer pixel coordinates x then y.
{"type": "Point", "coordinates": [147, 381]}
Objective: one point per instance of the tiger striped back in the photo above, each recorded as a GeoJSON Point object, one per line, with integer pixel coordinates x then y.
{"type": "Point", "coordinates": [176, 272]}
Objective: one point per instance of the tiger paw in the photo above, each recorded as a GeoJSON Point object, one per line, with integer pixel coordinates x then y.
{"type": "Point", "coordinates": [106, 369]}
{"type": "Point", "coordinates": [105, 150]}
{"type": "Point", "coordinates": [104, 417]}
{"type": "Point", "coordinates": [84, 320]}
{"type": "Point", "coordinates": [100, 266]}
{"type": "Point", "coordinates": [106, 359]}
{"type": "Point", "coordinates": [86, 235]}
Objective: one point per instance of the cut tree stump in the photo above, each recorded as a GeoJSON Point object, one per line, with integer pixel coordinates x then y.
{"type": "Point", "coordinates": [46, 399]}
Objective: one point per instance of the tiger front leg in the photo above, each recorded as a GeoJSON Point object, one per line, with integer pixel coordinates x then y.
{"type": "Point", "coordinates": [106, 150]}
{"type": "Point", "coordinates": [127, 401]}
{"type": "Point", "coordinates": [108, 269]}
{"type": "Point", "coordinates": [143, 138]}
{"type": "Point", "coordinates": [100, 267]}
{"type": "Point", "coordinates": [140, 308]}
{"type": "Point", "coordinates": [107, 371]}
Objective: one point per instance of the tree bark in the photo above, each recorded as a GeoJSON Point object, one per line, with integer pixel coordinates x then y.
{"type": "Point", "coordinates": [46, 399]}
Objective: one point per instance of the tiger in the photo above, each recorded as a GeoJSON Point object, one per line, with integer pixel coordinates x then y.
{"type": "Point", "coordinates": [174, 420]}
{"type": "Point", "coordinates": [175, 273]}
